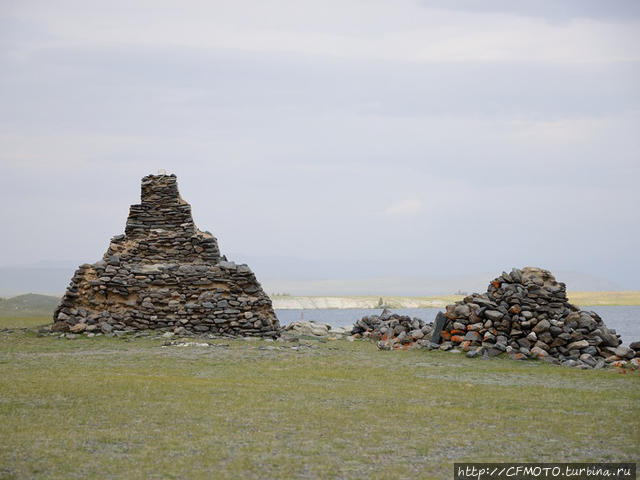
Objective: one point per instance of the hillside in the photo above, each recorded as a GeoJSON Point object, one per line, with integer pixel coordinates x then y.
{"type": "Point", "coordinates": [28, 305]}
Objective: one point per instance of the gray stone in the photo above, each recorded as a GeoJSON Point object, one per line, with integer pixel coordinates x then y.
{"type": "Point", "coordinates": [472, 336]}
{"type": "Point", "coordinates": [541, 326]}
{"type": "Point", "coordinates": [493, 315]}
{"type": "Point", "coordinates": [438, 326]}
{"type": "Point", "coordinates": [625, 352]}
{"type": "Point", "coordinates": [476, 352]}
{"type": "Point", "coordinates": [105, 327]}
{"type": "Point", "coordinates": [227, 265]}
{"type": "Point", "coordinates": [461, 311]}
{"type": "Point", "coordinates": [78, 328]}
{"type": "Point", "coordinates": [588, 360]}
{"type": "Point", "coordinates": [578, 345]}
{"type": "Point", "coordinates": [539, 352]}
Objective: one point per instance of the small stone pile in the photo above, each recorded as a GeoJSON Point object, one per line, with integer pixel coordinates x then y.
{"type": "Point", "coordinates": [393, 331]}
{"type": "Point", "coordinates": [314, 329]}
{"type": "Point", "coordinates": [164, 273]}
{"type": "Point", "coordinates": [526, 313]}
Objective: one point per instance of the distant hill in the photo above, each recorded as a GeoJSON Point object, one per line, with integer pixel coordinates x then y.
{"type": "Point", "coordinates": [29, 305]}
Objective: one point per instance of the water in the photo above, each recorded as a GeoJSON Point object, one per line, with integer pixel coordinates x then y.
{"type": "Point", "coordinates": [624, 320]}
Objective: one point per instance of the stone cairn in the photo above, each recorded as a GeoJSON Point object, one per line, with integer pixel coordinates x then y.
{"type": "Point", "coordinates": [526, 314]}
{"type": "Point", "coordinates": [164, 273]}
{"type": "Point", "coordinates": [393, 331]}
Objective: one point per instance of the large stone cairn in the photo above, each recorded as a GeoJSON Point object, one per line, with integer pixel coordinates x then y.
{"type": "Point", "coordinates": [526, 314]}
{"type": "Point", "coordinates": [393, 331]}
{"type": "Point", "coordinates": [164, 273]}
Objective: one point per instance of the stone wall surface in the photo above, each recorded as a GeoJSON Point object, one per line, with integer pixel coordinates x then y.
{"type": "Point", "coordinates": [165, 273]}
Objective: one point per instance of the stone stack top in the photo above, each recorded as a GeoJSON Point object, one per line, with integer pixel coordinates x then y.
{"type": "Point", "coordinates": [160, 189]}
{"type": "Point", "coordinates": [161, 208]}
{"type": "Point", "coordinates": [160, 228]}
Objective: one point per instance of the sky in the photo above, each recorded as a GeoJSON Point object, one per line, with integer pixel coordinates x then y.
{"type": "Point", "coordinates": [396, 146]}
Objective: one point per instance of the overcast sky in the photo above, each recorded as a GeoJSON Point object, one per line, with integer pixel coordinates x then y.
{"type": "Point", "coordinates": [330, 140]}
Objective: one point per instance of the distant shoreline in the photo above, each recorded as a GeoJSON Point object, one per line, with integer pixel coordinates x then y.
{"type": "Point", "coordinates": [582, 299]}
{"type": "Point", "coordinates": [36, 305]}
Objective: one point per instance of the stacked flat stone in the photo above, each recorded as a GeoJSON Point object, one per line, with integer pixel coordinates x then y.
{"type": "Point", "coordinates": [526, 313]}
{"type": "Point", "coordinates": [164, 273]}
{"type": "Point", "coordinates": [393, 331]}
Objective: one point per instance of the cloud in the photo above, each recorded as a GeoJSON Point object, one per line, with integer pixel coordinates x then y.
{"type": "Point", "coordinates": [410, 206]}
{"type": "Point", "coordinates": [402, 30]}
{"type": "Point", "coordinates": [304, 128]}
{"type": "Point", "coordinates": [560, 10]}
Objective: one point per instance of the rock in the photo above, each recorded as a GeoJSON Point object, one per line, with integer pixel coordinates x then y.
{"type": "Point", "coordinates": [303, 327]}
{"type": "Point", "coordinates": [635, 346]}
{"type": "Point", "coordinates": [462, 311]}
{"type": "Point", "coordinates": [319, 332]}
{"type": "Point", "coordinates": [168, 334]}
{"type": "Point", "coordinates": [475, 352]}
{"type": "Point", "coordinates": [438, 325]}
{"type": "Point", "coordinates": [587, 321]}
{"type": "Point", "coordinates": [539, 352]}
{"type": "Point", "coordinates": [493, 315]}
{"type": "Point", "coordinates": [416, 334]}
{"type": "Point", "coordinates": [570, 363]}
{"type": "Point", "coordinates": [493, 352]}
{"type": "Point", "coordinates": [608, 338]}
{"type": "Point", "coordinates": [78, 328]}
{"type": "Point", "coordinates": [542, 326]}
{"type": "Point", "coordinates": [588, 359]}
{"type": "Point", "coordinates": [580, 344]}
{"type": "Point", "coordinates": [472, 336]}
{"type": "Point", "coordinates": [624, 352]}
{"type": "Point", "coordinates": [106, 328]}
{"type": "Point", "coordinates": [60, 327]}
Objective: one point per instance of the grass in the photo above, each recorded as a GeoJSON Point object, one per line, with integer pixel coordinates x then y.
{"type": "Point", "coordinates": [25, 322]}
{"type": "Point", "coordinates": [619, 298]}
{"type": "Point", "coordinates": [129, 408]}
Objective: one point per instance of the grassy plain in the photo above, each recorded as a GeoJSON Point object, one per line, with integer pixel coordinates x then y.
{"type": "Point", "coordinates": [618, 298]}
{"type": "Point", "coordinates": [131, 408]}
{"type": "Point", "coordinates": [25, 322]}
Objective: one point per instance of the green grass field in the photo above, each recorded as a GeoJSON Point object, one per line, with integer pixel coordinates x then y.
{"type": "Point", "coordinates": [130, 408]}
{"type": "Point", "coordinates": [24, 322]}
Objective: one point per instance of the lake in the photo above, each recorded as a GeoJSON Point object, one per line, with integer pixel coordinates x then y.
{"type": "Point", "coordinates": [624, 320]}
